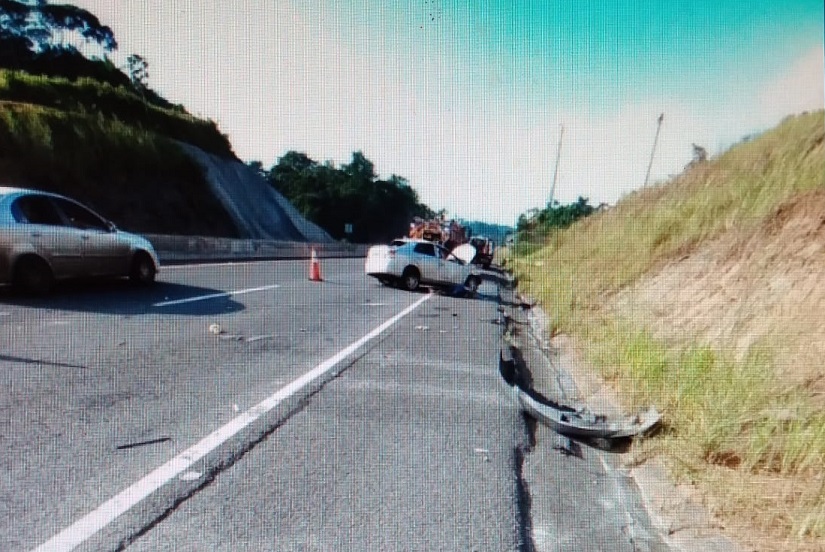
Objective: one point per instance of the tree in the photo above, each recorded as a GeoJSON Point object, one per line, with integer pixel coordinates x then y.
{"type": "Point", "coordinates": [138, 72]}
{"type": "Point", "coordinates": [700, 155]}
{"type": "Point", "coordinates": [39, 38]}
{"type": "Point", "coordinates": [41, 26]}
{"type": "Point", "coordinates": [360, 167]}
{"type": "Point", "coordinates": [379, 210]}
{"type": "Point", "coordinates": [554, 216]}
{"type": "Point", "coordinates": [258, 168]}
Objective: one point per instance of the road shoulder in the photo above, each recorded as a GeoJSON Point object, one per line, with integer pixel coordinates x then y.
{"type": "Point", "coordinates": [557, 369]}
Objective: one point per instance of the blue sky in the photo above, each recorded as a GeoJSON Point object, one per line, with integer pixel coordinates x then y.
{"type": "Point", "coordinates": [466, 99]}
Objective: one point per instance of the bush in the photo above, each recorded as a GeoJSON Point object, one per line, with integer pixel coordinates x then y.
{"type": "Point", "coordinates": [139, 179]}
{"type": "Point", "coordinates": [91, 97]}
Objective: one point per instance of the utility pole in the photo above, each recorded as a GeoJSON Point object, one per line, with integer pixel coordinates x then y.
{"type": "Point", "coordinates": [653, 152]}
{"type": "Point", "coordinates": [556, 171]}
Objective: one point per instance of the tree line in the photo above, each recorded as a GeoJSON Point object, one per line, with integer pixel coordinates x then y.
{"type": "Point", "coordinates": [38, 38]}
{"type": "Point", "coordinates": [553, 216]}
{"type": "Point", "coordinates": [349, 201]}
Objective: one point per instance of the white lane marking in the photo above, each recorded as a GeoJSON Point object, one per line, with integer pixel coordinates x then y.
{"type": "Point", "coordinates": [213, 296]}
{"type": "Point", "coordinates": [84, 528]}
{"type": "Point", "coordinates": [198, 265]}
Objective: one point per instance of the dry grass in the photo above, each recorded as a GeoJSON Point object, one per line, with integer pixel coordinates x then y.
{"type": "Point", "coordinates": [735, 421]}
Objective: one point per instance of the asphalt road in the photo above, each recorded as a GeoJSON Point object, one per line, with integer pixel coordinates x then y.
{"type": "Point", "coordinates": [341, 415]}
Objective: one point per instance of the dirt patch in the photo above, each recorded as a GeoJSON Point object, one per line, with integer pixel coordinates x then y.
{"type": "Point", "coordinates": [753, 287]}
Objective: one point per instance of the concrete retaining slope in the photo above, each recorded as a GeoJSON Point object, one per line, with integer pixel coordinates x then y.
{"type": "Point", "coordinates": [257, 209]}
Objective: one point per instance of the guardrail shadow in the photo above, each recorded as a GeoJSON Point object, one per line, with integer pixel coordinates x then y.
{"type": "Point", "coordinates": [121, 297]}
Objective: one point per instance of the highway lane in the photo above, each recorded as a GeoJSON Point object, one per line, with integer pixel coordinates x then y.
{"type": "Point", "coordinates": [413, 447]}
{"type": "Point", "coordinates": [99, 367]}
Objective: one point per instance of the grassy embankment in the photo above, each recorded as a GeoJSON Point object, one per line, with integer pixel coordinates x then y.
{"type": "Point", "coordinates": [106, 146]}
{"type": "Point", "coordinates": [761, 472]}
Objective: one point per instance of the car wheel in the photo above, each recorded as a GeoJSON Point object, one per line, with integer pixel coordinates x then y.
{"type": "Point", "coordinates": [472, 284]}
{"type": "Point", "coordinates": [411, 278]}
{"type": "Point", "coordinates": [33, 275]}
{"type": "Point", "coordinates": [143, 269]}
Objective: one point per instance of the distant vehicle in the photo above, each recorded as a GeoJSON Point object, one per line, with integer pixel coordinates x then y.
{"type": "Point", "coordinates": [448, 233]}
{"type": "Point", "coordinates": [412, 263]}
{"type": "Point", "coordinates": [46, 237]}
{"type": "Point", "coordinates": [484, 250]}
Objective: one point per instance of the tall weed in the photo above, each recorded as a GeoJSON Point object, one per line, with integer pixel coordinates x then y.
{"type": "Point", "coordinates": [723, 415]}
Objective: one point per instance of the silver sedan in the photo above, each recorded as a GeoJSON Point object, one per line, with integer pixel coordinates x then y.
{"type": "Point", "coordinates": [46, 237]}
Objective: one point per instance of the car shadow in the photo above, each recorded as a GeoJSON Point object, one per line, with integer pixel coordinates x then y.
{"type": "Point", "coordinates": [121, 297]}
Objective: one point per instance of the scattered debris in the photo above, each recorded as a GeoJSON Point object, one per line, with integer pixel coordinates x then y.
{"type": "Point", "coordinates": [568, 447]}
{"type": "Point", "coordinates": [144, 443]}
{"type": "Point", "coordinates": [190, 476]}
{"type": "Point", "coordinates": [526, 302]}
{"type": "Point", "coordinates": [259, 337]}
{"type": "Point", "coordinates": [423, 328]}
{"type": "Point", "coordinates": [580, 422]}
{"type": "Point", "coordinates": [215, 329]}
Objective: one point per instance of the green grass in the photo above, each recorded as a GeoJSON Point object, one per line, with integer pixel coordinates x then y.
{"type": "Point", "coordinates": [723, 415]}
{"type": "Point", "coordinates": [134, 176]}
{"type": "Point", "coordinates": [89, 97]}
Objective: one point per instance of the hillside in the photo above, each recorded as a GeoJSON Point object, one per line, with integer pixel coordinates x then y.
{"type": "Point", "coordinates": [702, 296]}
{"type": "Point", "coordinates": [150, 168]}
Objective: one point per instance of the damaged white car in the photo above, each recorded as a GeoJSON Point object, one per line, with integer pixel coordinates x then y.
{"type": "Point", "coordinates": [412, 263]}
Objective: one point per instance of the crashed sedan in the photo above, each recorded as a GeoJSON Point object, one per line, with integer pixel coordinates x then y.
{"type": "Point", "coordinates": [411, 263]}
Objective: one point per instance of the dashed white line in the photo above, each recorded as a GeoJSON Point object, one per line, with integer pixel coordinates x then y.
{"type": "Point", "coordinates": [213, 296]}
{"type": "Point", "coordinates": [84, 528]}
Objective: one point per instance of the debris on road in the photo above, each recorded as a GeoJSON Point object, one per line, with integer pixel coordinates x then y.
{"type": "Point", "coordinates": [144, 443]}
{"type": "Point", "coordinates": [215, 329]}
{"type": "Point", "coordinates": [568, 447]}
{"type": "Point", "coordinates": [580, 422]}
{"type": "Point", "coordinates": [259, 337]}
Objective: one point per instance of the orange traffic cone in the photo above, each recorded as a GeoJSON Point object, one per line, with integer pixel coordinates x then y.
{"type": "Point", "coordinates": [314, 268]}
